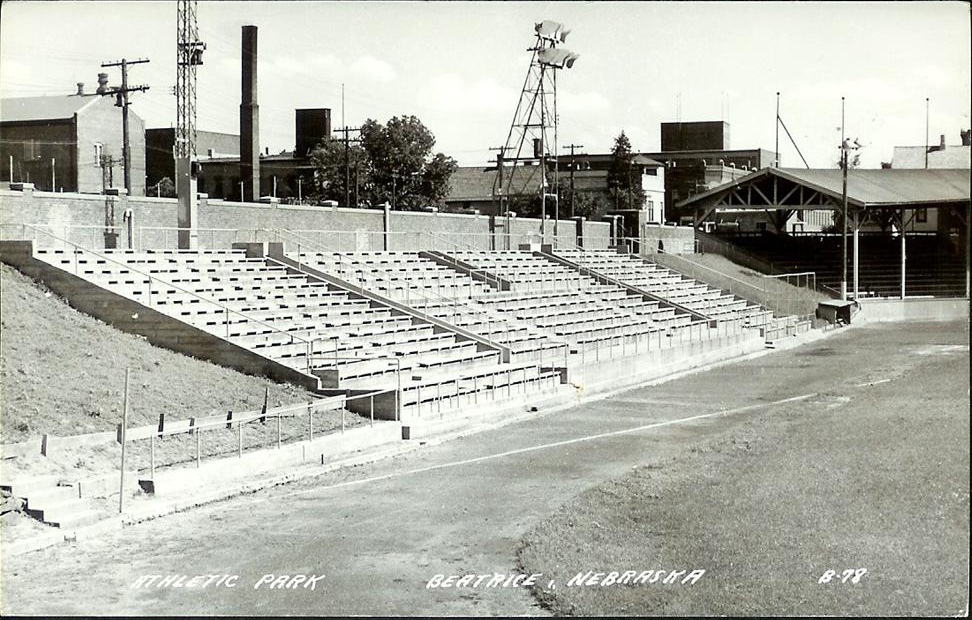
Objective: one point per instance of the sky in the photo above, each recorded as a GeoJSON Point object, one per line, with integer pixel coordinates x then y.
{"type": "Point", "coordinates": [458, 66]}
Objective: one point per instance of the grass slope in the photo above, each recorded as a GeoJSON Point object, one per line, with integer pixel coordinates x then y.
{"type": "Point", "coordinates": [718, 271]}
{"type": "Point", "coordinates": [63, 372]}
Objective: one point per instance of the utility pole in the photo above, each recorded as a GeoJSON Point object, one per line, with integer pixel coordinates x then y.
{"type": "Point", "coordinates": [926, 133]}
{"type": "Point", "coordinates": [498, 182]}
{"type": "Point", "coordinates": [572, 168]}
{"type": "Point", "coordinates": [778, 129]}
{"type": "Point", "coordinates": [347, 160]}
{"type": "Point", "coordinates": [121, 95]}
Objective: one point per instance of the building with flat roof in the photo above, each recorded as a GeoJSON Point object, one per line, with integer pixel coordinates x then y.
{"type": "Point", "coordinates": [697, 157]}
{"type": "Point", "coordinates": [937, 156]}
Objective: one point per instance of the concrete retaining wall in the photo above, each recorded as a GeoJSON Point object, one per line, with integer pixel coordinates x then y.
{"type": "Point", "coordinates": [81, 219]}
{"type": "Point", "coordinates": [675, 239]}
{"type": "Point", "coordinates": [627, 371]}
{"type": "Point", "coordinates": [915, 309]}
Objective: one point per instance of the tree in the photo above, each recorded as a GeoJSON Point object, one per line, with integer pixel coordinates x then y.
{"type": "Point", "coordinates": [403, 170]}
{"type": "Point", "coordinates": [624, 177]}
{"type": "Point", "coordinates": [592, 205]}
{"type": "Point", "coordinates": [329, 171]}
{"type": "Point", "coordinates": [165, 188]}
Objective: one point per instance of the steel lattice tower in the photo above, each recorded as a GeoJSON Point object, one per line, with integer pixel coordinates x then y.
{"type": "Point", "coordinates": [535, 121]}
{"type": "Point", "coordinates": [189, 51]}
{"type": "Point", "coordinates": [188, 56]}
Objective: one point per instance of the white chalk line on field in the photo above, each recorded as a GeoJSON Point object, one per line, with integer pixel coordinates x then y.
{"type": "Point", "coordinates": [556, 444]}
{"type": "Point", "coordinates": [870, 383]}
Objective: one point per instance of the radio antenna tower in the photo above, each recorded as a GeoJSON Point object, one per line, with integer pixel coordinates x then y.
{"type": "Point", "coordinates": [189, 50]}
{"type": "Point", "coordinates": [534, 122]}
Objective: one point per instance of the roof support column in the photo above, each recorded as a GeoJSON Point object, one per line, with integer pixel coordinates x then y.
{"type": "Point", "coordinates": [856, 222]}
{"type": "Point", "coordinates": [967, 247]}
{"type": "Point", "coordinates": [903, 254]}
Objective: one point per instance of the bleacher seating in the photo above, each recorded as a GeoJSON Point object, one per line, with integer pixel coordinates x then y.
{"type": "Point", "coordinates": [547, 305]}
{"type": "Point", "coordinates": [444, 293]}
{"type": "Point", "coordinates": [669, 285]}
{"type": "Point", "coordinates": [930, 269]}
{"type": "Point", "coordinates": [436, 325]}
{"type": "Point", "coordinates": [307, 325]}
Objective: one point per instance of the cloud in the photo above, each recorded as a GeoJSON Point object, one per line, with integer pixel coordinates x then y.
{"type": "Point", "coordinates": [588, 102]}
{"type": "Point", "coordinates": [373, 69]}
{"type": "Point", "coordinates": [451, 93]}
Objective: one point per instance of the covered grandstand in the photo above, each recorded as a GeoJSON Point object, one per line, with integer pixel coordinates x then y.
{"type": "Point", "coordinates": [908, 230]}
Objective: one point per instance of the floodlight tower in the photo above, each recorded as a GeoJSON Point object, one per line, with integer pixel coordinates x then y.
{"type": "Point", "coordinates": [189, 50]}
{"type": "Point", "coordinates": [534, 120]}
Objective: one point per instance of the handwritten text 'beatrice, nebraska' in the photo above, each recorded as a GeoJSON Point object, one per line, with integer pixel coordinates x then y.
{"type": "Point", "coordinates": [589, 578]}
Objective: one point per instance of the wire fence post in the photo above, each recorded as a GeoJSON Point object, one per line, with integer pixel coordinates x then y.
{"type": "Point", "coordinates": [371, 408]}
{"type": "Point", "coordinates": [310, 421]}
{"type": "Point", "coordinates": [278, 431]}
{"type": "Point", "coordinates": [239, 429]}
{"type": "Point", "coordinates": [124, 439]}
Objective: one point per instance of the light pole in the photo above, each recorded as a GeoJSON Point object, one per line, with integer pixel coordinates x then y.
{"type": "Point", "coordinates": [843, 277]}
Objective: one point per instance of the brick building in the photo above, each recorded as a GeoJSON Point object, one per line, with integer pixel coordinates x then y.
{"type": "Point", "coordinates": [159, 143]}
{"type": "Point", "coordinates": [697, 158]}
{"type": "Point", "coordinates": [284, 175]}
{"type": "Point", "coordinates": [60, 143]}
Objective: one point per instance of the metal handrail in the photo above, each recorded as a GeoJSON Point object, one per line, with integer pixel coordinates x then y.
{"type": "Point", "coordinates": [764, 290]}
{"type": "Point", "coordinates": [150, 432]}
{"type": "Point", "coordinates": [79, 249]}
{"type": "Point", "coordinates": [198, 231]}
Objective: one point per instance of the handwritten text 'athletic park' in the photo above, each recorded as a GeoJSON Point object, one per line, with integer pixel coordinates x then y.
{"type": "Point", "coordinates": [268, 581]}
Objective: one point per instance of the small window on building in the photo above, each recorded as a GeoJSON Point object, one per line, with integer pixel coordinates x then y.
{"type": "Point", "coordinates": [921, 216]}
{"type": "Point", "coordinates": [99, 150]}
{"type": "Point", "coordinates": [761, 226]}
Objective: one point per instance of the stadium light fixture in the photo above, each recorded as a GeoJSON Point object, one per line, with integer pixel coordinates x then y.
{"type": "Point", "coordinates": [551, 30]}
{"type": "Point", "coordinates": [557, 58]}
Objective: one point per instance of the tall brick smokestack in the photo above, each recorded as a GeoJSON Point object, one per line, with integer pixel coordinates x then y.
{"type": "Point", "coordinates": [250, 119]}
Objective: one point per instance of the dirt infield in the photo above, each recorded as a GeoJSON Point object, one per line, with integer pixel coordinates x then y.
{"type": "Point", "coordinates": [803, 463]}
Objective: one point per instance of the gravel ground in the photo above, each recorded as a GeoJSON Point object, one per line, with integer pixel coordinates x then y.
{"type": "Point", "coordinates": [878, 479]}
